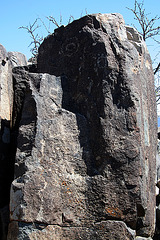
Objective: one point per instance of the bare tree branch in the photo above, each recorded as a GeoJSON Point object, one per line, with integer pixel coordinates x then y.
{"type": "Point", "coordinates": [149, 29]}
{"type": "Point", "coordinates": [36, 39]}
{"type": "Point", "coordinates": [157, 69]}
{"type": "Point", "coordinates": [147, 25]}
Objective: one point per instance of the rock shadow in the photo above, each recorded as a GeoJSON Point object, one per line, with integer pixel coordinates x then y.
{"type": "Point", "coordinates": [24, 118]}
{"type": "Point", "coordinates": [88, 122]}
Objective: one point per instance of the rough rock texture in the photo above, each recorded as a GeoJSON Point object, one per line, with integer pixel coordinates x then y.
{"type": "Point", "coordinates": [108, 230]}
{"type": "Point", "coordinates": [157, 230]}
{"type": "Point", "coordinates": [17, 59]}
{"type": "Point", "coordinates": [85, 161]}
{"type": "Point", "coordinates": [7, 61]}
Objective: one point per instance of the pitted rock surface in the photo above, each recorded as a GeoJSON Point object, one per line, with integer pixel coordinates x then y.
{"type": "Point", "coordinates": [85, 161]}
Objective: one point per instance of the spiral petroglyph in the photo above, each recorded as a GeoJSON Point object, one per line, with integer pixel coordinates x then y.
{"type": "Point", "coordinates": [70, 46]}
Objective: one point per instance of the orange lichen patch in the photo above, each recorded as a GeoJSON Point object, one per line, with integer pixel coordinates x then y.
{"type": "Point", "coordinates": [135, 70]}
{"type": "Point", "coordinates": [114, 212]}
{"type": "Point", "coordinates": [68, 190]}
{"type": "Point", "coordinates": [64, 183]}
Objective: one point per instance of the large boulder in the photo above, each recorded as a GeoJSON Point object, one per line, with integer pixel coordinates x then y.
{"type": "Point", "coordinates": [85, 161]}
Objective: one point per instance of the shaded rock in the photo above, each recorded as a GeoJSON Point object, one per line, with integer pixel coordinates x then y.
{"type": "Point", "coordinates": [6, 107]}
{"type": "Point", "coordinates": [6, 151]}
{"type": "Point", "coordinates": [87, 135]}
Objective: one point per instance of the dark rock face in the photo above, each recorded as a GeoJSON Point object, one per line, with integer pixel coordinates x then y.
{"type": "Point", "coordinates": [85, 162]}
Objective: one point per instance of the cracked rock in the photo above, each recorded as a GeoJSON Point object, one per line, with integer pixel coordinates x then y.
{"type": "Point", "coordinates": [86, 136]}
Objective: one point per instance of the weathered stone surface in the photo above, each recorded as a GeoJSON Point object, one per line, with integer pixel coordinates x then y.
{"type": "Point", "coordinates": [108, 230]}
{"type": "Point", "coordinates": [87, 135]}
{"type": "Point", "coordinates": [6, 105]}
{"type": "Point", "coordinates": [7, 62]}
{"type": "Point", "coordinates": [6, 83]}
{"type": "Point", "coordinates": [6, 153]}
{"type": "Point", "coordinates": [17, 59]}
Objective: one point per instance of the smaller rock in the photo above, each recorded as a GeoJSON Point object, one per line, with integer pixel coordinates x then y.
{"type": "Point", "coordinates": [17, 59]}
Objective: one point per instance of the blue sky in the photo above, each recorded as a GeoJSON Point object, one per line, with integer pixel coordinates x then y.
{"type": "Point", "coordinates": [16, 13]}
